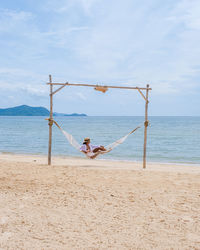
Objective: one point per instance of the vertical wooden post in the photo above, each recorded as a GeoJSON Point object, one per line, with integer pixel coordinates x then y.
{"type": "Point", "coordinates": [50, 120]}
{"type": "Point", "coordinates": [145, 127]}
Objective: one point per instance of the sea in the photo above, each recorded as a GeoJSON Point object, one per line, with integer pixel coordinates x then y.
{"type": "Point", "coordinates": [170, 139]}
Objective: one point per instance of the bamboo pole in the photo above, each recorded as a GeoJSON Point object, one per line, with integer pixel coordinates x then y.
{"type": "Point", "coordinates": [50, 120]}
{"type": "Point", "coordinates": [145, 126]}
{"type": "Point", "coordinates": [141, 94]}
{"type": "Point", "coordinates": [58, 89]}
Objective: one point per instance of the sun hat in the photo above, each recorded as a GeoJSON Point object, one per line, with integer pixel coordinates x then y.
{"type": "Point", "coordinates": [86, 139]}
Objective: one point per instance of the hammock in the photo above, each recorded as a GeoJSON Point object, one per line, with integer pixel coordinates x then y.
{"type": "Point", "coordinates": [109, 147]}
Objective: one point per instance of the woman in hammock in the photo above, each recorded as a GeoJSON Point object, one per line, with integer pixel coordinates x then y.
{"type": "Point", "coordinates": [92, 151]}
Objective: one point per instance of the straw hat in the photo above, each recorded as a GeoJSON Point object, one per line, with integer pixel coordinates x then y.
{"type": "Point", "coordinates": [86, 139]}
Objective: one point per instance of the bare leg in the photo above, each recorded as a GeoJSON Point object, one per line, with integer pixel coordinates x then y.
{"type": "Point", "coordinates": [101, 148]}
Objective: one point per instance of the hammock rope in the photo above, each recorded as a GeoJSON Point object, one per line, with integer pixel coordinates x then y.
{"type": "Point", "coordinates": [109, 147]}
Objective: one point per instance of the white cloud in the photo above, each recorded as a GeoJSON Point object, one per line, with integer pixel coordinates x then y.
{"type": "Point", "coordinates": [187, 12]}
{"type": "Point", "coordinates": [15, 72]}
{"type": "Point", "coordinates": [81, 96]}
{"type": "Point", "coordinates": [9, 19]}
{"type": "Point", "coordinates": [29, 82]}
{"type": "Point", "coordinates": [30, 89]}
{"type": "Point", "coordinates": [110, 42]}
{"type": "Point", "coordinates": [64, 6]}
{"type": "Point", "coordinates": [132, 43]}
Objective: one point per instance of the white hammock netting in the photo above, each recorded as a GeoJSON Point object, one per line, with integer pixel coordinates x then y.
{"type": "Point", "coordinates": [109, 147]}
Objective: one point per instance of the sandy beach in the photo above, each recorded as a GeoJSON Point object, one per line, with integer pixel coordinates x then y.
{"type": "Point", "coordinates": [95, 204]}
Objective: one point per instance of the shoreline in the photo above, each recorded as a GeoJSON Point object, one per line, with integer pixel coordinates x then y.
{"type": "Point", "coordinates": [102, 159]}
{"type": "Point", "coordinates": [99, 163]}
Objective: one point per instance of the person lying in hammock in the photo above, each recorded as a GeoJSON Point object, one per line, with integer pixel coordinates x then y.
{"type": "Point", "coordinates": [92, 151]}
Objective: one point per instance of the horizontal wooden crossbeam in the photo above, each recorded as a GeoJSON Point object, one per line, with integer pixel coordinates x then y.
{"type": "Point", "coordinates": [97, 85]}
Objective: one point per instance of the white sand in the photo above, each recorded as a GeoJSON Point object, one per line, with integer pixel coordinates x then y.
{"type": "Point", "coordinates": [96, 204]}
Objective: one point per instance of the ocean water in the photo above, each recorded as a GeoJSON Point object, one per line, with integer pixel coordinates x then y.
{"type": "Point", "coordinates": [170, 139]}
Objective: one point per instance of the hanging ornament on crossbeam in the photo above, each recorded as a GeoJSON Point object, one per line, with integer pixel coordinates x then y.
{"type": "Point", "coordinates": [103, 89]}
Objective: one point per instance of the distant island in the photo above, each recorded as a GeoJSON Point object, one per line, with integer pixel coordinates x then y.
{"type": "Point", "coordinates": [73, 114]}
{"type": "Point", "coordinates": [25, 110]}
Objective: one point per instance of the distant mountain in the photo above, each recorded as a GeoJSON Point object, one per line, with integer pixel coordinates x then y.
{"type": "Point", "coordinates": [25, 110]}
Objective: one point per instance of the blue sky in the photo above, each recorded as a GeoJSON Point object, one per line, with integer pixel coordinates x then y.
{"type": "Point", "coordinates": [116, 42]}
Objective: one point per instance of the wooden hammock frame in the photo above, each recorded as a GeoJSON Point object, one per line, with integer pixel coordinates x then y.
{"type": "Point", "coordinates": [102, 88]}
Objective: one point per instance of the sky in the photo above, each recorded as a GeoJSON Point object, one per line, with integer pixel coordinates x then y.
{"type": "Point", "coordinates": [115, 42]}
